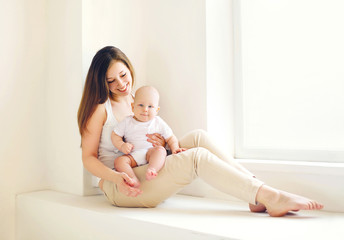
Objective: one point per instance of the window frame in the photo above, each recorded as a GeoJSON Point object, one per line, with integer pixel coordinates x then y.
{"type": "Point", "coordinates": [241, 150]}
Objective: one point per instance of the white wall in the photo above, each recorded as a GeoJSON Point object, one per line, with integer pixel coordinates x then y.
{"type": "Point", "coordinates": [113, 23]}
{"type": "Point", "coordinates": [64, 88]}
{"type": "Point", "coordinates": [41, 83]}
{"type": "Point", "coordinates": [23, 65]}
{"type": "Point", "coordinates": [165, 40]}
{"type": "Point", "coordinates": [220, 77]}
{"type": "Point", "coordinates": [176, 61]}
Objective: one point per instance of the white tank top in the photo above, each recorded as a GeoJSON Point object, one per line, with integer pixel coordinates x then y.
{"type": "Point", "coordinates": [107, 152]}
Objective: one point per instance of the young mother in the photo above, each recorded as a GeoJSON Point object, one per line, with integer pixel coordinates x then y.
{"type": "Point", "coordinates": [107, 99]}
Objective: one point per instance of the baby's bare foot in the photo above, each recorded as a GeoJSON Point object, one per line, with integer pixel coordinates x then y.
{"type": "Point", "coordinates": [135, 183]}
{"type": "Point", "coordinates": [151, 174]}
{"type": "Point", "coordinates": [257, 208]}
{"type": "Point", "coordinates": [279, 203]}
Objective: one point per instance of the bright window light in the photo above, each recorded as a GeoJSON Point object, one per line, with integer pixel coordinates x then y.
{"type": "Point", "coordinates": [289, 73]}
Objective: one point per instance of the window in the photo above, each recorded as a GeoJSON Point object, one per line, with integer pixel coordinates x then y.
{"type": "Point", "coordinates": [289, 76]}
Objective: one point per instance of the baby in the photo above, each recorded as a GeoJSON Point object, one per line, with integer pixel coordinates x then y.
{"type": "Point", "coordinates": [133, 129]}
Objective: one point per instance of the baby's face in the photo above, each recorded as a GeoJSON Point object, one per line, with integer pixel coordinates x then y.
{"type": "Point", "coordinates": [145, 107]}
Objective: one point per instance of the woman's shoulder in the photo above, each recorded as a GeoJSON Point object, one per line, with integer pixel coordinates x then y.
{"type": "Point", "coordinates": [100, 108]}
{"type": "Point", "coordinates": [100, 113]}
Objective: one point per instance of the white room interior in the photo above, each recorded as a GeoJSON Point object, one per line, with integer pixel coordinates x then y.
{"type": "Point", "coordinates": [183, 47]}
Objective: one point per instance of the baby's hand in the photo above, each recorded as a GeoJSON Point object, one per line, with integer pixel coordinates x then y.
{"type": "Point", "coordinates": [126, 148]}
{"type": "Point", "coordinates": [178, 150]}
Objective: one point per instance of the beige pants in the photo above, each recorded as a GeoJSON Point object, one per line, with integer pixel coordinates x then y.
{"type": "Point", "coordinates": [204, 160]}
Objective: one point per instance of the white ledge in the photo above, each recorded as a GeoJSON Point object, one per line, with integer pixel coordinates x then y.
{"type": "Point", "coordinates": [319, 168]}
{"type": "Point", "coordinates": [54, 215]}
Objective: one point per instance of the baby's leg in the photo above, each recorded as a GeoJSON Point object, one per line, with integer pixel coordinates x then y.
{"type": "Point", "coordinates": [125, 164]}
{"type": "Point", "coordinates": [156, 159]}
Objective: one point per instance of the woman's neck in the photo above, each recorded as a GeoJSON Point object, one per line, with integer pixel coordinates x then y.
{"type": "Point", "coordinates": [122, 107]}
{"type": "Point", "coordinates": [125, 99]}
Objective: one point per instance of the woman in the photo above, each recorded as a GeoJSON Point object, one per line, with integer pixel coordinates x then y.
{"type": "Point", "coordinates": [107, 100]}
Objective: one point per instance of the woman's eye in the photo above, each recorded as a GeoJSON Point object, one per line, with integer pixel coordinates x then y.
{"type": "Point", "coordinates": [124, 75]}
{"type": "Point", "coordinates": [111, 81]}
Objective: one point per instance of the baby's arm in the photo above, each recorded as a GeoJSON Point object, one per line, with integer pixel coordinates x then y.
{"type": "Point", "coordinates": [174, 145]}
{"type": "Point", "coordinates": [118, 142]}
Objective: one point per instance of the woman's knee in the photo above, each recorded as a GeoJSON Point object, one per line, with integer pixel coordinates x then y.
{"type": "Point", "coordinates": [195, 138]}
{"type": "Point", "coordinates": [201, 136]}
{"type": "Point", "coordinates": [198, 133]}
{"type": "Point", "coordinates": [201, 132]}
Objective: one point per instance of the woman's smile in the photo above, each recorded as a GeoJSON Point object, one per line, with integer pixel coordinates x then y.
{"type": "Point", "coordinates": [124, 89]}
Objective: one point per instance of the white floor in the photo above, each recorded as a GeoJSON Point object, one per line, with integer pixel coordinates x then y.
{"type": "Point", "coordinates": [53, 215]}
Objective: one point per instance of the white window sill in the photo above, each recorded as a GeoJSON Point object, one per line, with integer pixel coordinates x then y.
{"type": "Point", "coordinates": [54, 215]}
{"type": "Point", "coordinates": [321, 168]}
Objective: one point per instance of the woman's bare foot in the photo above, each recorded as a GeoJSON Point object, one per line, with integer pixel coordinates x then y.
{"type": "Point", "coordinates": [151, 174]}
{"type": "Point", "coordinates": [279, 203]}
{"type": "Point", "coordinates": [259, 208]}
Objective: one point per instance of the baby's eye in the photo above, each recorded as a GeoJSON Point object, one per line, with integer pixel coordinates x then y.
{"type": "Point", "coordinates": [150, 106]}
{"type": "Point", "coordinates": [141, 105]}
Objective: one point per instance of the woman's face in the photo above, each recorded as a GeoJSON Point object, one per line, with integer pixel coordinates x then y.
{"type": "Point", "coordinates": [118, 77]}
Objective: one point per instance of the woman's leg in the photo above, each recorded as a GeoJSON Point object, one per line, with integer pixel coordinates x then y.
{"type": "Point", "coordinates": [180, 170]}
{"type": "Point", "coordinates": [200, 138]}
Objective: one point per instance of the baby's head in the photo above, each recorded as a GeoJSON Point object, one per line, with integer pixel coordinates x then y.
{"type": "Point", "coordinates": [146, 104]}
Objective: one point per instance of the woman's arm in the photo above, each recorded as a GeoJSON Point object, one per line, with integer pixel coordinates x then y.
{"type": "Point", "coordinates": [90, 143]}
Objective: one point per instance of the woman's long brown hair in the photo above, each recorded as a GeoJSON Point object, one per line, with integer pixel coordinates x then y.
{"type": "Point", "coordinates": [96, 89]}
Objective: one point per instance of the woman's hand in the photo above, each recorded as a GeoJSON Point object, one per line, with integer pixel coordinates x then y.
{"type": "Point", "coordinates": [156, 139]}
{"type": "Point", "coordinates": [125, 185]}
